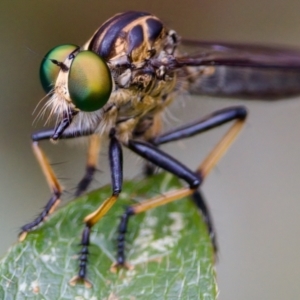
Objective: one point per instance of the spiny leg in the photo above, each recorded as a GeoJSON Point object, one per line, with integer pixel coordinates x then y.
{"type": "Point", "coordinates": [116, 167]}
{"type": "Point", "coordinates": [49, 174]}
{"type": "Point", "coordinates": [54, 185]}
{"type": "Point", "coordinates": [159, 158]}
{"type": "Point", "coordinates": [211, 121]}
{"type": "Point", "coordinates": [92, 160]}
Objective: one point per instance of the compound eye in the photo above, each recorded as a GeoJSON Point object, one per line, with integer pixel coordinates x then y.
{"type": "Point", "coordinates": [49, 70]}
{"type": "Point", "coordinates": [89, 82]}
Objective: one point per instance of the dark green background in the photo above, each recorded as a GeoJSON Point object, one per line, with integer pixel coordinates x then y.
{"type": "Point", "coordinates": [254, 191]}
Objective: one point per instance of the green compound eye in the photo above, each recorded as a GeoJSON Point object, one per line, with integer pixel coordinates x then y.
{"type": "Point", "coordinates": [89, 82]}
{"type": "Point", "coordinates": [48, 70]}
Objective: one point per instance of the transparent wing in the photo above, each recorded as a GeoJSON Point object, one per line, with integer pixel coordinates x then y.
{"type": "Point", "coordinates": [240, 70]}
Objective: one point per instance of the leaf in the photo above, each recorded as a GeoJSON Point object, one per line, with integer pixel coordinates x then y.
{"type": "Point", "coordinates": [168, 246]}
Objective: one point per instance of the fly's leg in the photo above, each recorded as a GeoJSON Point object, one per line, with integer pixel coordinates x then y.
{"type": "Point", "coordinates": [52, 181]}
{"type": "Point", "coordinates": [55, 188]}
{"type": "Point", "coordinates": [116, 167]}
{"type": "Point", "coordinates": [194, 179]}
{"type": "Point", "coordinates": [211, 121]}
{"type": "Point", "coordinates": [215, 119]}
{"type": "Point", "coordinates": [49, 174]}
{"type": "Point", "coordinates": [92, 160]}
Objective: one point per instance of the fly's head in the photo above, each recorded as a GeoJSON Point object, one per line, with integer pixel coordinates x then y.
{"type": "Point", "coordinates": [75, 80]}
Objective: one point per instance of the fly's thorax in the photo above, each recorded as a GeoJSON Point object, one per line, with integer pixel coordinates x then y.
{"type": "Point", "coordinates": [129, 41]}
{"type": "Point", "coordinates": [136, 35]}
{"type": "Point", "coordinates": [130, 111]}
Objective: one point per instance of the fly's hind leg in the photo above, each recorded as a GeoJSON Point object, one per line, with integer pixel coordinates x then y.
{"type": "Point", "coordinates": [194, 179]}
{"type": "Point", "coordinates": [200, 202]}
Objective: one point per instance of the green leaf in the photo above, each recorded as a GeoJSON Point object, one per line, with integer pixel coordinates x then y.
{"type": "Point", "coordinates": [168, 246]}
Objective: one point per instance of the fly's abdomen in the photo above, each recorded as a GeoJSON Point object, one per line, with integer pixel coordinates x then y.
{"type": "Point", "coordinates": [244, 82]}
{"type": "Point", "coordinates": [129, 37]}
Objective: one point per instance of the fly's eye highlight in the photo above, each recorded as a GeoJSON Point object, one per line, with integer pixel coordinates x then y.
{"type": "Point", "coordinates": [89, 82]}
{"type": "Point", "coordinates": [49, 70]}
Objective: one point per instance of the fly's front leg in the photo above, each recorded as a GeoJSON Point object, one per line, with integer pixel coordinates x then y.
{"type": "Point", "coordinates": [52, 181]}
{"type": "Point", "coordinates": [49, 174]}
{"type": "Point", "coordinates": [116, 167]}
{"type": "Point", "coordinates": [194, 179]}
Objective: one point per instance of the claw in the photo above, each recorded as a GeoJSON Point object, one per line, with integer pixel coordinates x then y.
{"type": "Point", "coordinates": [116, 266]}
{"type": "Point", "coordinates": [76, 279]}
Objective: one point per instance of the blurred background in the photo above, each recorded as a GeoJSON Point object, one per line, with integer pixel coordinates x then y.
{"type": "Point", "coordinates": [254, 191]}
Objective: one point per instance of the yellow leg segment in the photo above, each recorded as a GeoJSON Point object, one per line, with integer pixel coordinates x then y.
{"type": "Point", "coordinates": [54, 186]}
{"type": "Point", "coordinates": [95, 216]}
{"type": "Point", "coordinates": [162, 200]}
{"type": "Point", "coordinates": [46, 168]}
{"type": "Point", "coordinates": [221, 148]}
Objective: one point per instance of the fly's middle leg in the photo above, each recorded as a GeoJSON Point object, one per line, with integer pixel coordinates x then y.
{"type": "Point", "coordinates": [91, 165]}
{"type": "Point", "coordinates": [116, 167]}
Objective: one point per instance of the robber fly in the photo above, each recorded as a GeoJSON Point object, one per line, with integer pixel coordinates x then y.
{"type": "Point", "coordinates": [117, 86]}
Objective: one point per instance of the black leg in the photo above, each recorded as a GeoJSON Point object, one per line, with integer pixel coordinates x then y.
{"type": "Point", "coordinates": [121, 240]}
{"type": "Point", "coordinates": [160, 159]}
{"type": "Point", "coordinates": [215, 119]}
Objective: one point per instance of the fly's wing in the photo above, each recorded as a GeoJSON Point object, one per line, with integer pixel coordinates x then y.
{"type": "Point", "coordinates": [252, 71]}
